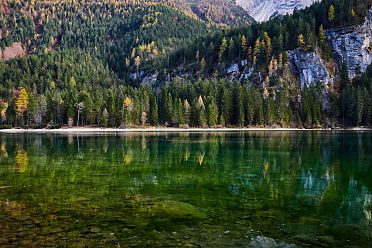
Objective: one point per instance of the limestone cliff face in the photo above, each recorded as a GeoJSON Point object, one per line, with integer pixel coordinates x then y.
{"type": "Point", "coordinates": [309, 67]}
{"type": "Point", "coordinates": [353, 46]}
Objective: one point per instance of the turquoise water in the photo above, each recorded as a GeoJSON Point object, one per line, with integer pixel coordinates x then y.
{"type": "Point", "coordinates": [309, 189]}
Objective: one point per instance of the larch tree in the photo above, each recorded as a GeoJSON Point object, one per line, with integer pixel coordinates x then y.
{"type": "Point", "coordinates": [256, 50]}
{"type": "Point", "coordinates": [301, 41]}
{"type": "Point", "coordinates": [267, 42]}
{"type": "Point", "coordinates": [137, 63]}
{"type": "Point", "coordinates": [331, 13]}
{"type": "Point", "coordinates": [244, 45]}
{"type": "Point", "coordinates": [127, 110]}
{"type": "Point", "coordinates": [104, 118]}
{"type": "Point", "coordinates": [200, 108]}
{"type": "Point", "coordinates": [223, 48]}
{"type": "Point", "coordinates": [22, 103]}
{"type": "Point", "coordinates": [187, 110]}
{"type": "Point", "coordinates": [322, 36]}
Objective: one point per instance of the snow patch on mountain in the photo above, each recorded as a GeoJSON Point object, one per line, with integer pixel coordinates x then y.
{"type": "Point", "coordinates": [263, 10]}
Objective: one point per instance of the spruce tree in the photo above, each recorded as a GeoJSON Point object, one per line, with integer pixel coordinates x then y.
{"type": "Point", "coordinates": [212, 112]}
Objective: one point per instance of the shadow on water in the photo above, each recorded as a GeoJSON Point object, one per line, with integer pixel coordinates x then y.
{"type": "Point", "coordinates": [308, 189]}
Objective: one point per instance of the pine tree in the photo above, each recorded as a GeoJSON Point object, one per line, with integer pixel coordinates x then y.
{"type": "Point", "coordinates": [359, 106]}
{"type": "Point", "coordinates": [153, 117]}
{"type": "Point", "coordinates": [258, 117]}
{"type": "Point", "coordinates": [168, 105]}
{"type": "Point", "coordinates": [248, 108]}
{"type": "Point", "coordinates": [367, 108]}
{"type": "Point", "coordinates": [344, 82]}
{"type": "Point", "coordinates": [237, 117]}
{"type": "Point", "coordinates": [226, 107]}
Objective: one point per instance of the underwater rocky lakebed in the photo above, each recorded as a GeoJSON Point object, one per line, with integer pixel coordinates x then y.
{"type": "Point", "coordinates": [243, 189]}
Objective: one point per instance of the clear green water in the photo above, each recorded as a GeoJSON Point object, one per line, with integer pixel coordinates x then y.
{"type": "Point", "coordinates": [310, 189]}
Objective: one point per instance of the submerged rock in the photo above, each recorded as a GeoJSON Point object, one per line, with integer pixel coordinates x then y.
{"type": "Point", "coordinates": [265, 242]}
{"type": "Point", "coordinates": [176, 210]}
{"type": "Point", "coordinates": [95, 230]}
{"type": "Point", "coordinates": [309, 67]}
{"type": "Point", "coordinates": [353, 46]}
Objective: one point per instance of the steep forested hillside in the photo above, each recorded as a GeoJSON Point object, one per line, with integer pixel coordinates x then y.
{"type": "Point", "coordinates": [80, 57]}
{"type": "Point", "coordinates": [121, 33]}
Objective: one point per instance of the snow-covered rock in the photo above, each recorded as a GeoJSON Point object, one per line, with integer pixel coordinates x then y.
{"type": "Point", "coordinates": [309, 67]}
{"type": "Point", "coordinates": [263, 10]}
{"type": "Point", "coordinates": [353, 46]}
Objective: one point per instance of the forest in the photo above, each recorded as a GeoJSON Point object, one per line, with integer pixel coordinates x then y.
{"type": "Point", "coordinates": [84, 70]}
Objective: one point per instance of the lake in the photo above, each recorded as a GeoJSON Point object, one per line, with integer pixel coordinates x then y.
{"type": "Point", "coordinates": [259, 188]}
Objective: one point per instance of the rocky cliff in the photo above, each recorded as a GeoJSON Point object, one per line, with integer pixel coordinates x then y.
{"type": "Point", "coordinates": [353, 46]}
{"type": "Point", "coordinates": [309, 67]}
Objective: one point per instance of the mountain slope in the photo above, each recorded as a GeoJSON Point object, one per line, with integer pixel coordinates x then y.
{"type": "Point", "coordinates": [225, 12]}
{"type": "Point", "coordinates": [223, 48]}
{"type": "Point", "coordinates": [281, 72]}
{"type": "Point", "coordinates": [264, 10]}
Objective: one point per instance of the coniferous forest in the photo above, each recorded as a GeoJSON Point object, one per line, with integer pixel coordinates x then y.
{"type": "Point", "coordinates": [84, 62]}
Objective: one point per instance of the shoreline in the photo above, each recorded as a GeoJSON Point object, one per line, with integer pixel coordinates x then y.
{"type": "Point", "coordinates": [167, 130]}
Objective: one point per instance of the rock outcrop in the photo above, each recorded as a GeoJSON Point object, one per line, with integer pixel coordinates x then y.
{"type": "Point", "coordinates": [353, 46]}
{"type": "Point", "coordinates": [14, 51]}
{"type": "Point", "coordinates": [309, 67]}
{"type": "Point", "coordinates": [263, 10]}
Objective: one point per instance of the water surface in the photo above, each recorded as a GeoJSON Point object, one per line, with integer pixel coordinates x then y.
{"type": "Point", "coordinates": [310, 189]}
